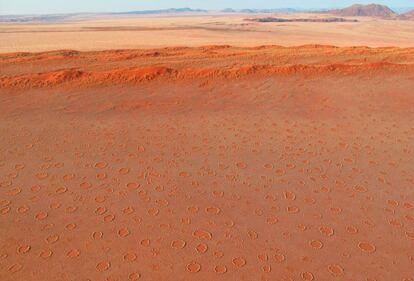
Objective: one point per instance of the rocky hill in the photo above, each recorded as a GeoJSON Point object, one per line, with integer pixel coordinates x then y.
{"type": "Point", "coordinates": [371, 10]}
{"type": "Point", "coordinates": [408, 15]}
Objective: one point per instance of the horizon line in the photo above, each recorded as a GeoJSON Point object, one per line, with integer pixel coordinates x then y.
{"type": "Point", "coordinates": [200, 10]}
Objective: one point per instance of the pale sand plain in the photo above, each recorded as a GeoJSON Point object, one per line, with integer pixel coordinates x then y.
{"type": "Point", "coordinates": [190, 30]}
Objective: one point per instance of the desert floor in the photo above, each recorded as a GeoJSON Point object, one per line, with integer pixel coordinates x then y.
{"type": "Point", "coordinates": [206, 163]}
{"type": "Point", "coordinates": [99, 33]}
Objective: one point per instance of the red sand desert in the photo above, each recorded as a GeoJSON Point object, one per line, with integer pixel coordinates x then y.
{"type": "Point", "coordinates": [207, 163]}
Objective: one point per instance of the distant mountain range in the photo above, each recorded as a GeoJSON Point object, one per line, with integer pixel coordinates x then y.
{"type": "Point", "coordinates": [228, 10]}
{"type": "Point", "coordinates": [74, 16]}
{"type": "Point", "coordinates": [356, 10]}
{"type": "Point", "coordinates": [272, 19]}
{"type": "Point", "coordinates": [264, 11]}
{"type": "Point", "coordinates": [165, 11]}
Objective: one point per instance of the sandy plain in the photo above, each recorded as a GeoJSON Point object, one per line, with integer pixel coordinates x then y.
{"type": "Point", "coordinates": [207, 163]}
{"type": "Point", "coordinates": [195, 30]}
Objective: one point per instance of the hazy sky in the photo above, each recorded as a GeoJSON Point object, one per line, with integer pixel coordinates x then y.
{"type": "Point", "coordinates": [68, 6]}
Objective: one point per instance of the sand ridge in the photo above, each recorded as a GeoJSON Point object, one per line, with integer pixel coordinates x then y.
{"type": "Point", "coordinates": [92, 68]}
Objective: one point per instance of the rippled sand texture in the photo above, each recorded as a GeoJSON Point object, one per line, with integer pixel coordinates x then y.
{"type": "Point", "coordinates": [213, 163]}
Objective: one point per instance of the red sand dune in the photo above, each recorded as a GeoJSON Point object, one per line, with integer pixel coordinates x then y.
{"type": "Point", "coordinates": [121, 76]}
{"type": "Point", "coordinates": [211, 163]}
{"type": "Point", "coordinates": [122, 69]}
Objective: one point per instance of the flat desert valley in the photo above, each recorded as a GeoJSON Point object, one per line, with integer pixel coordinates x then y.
{"type": "Point", "coordinates": [155, 31]}
{"type": "Point", "coordinates": [207, 148]}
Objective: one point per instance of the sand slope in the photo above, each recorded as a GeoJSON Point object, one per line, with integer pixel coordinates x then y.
{"type": "Point", "coordinates": [211, 163]}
